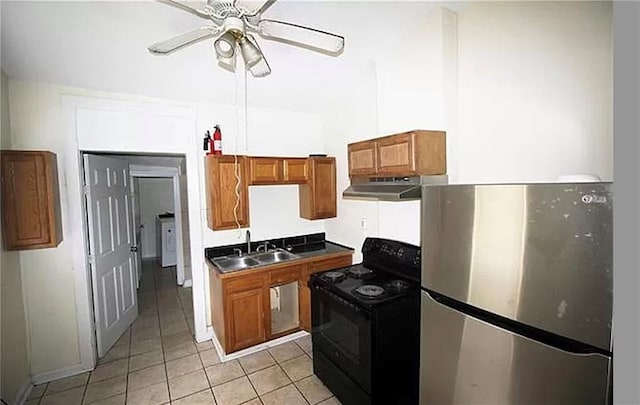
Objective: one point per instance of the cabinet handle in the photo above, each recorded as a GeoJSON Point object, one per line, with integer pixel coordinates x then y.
{"type": "Point", "coordinates": [12, 177]}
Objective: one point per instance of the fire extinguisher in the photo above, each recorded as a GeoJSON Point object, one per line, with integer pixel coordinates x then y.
{"type": "Point", "coordinates": [217, 141]}
{"type": "Point", "coordinates": [213, 146]}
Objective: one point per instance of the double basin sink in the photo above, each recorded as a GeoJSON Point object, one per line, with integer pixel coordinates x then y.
{"type": "Point", "coordinates": [232, 263]}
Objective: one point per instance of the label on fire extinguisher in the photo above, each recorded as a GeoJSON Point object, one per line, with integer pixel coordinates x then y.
{"type": "Point", "coordinates": [217, 147]}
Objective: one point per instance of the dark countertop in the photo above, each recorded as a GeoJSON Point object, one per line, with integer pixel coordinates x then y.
{"type": "Point", "coordinates": [319, 249]}
{"type": "Point", "coordinates": [304, 246]}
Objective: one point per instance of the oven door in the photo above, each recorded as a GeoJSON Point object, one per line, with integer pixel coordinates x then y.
{"type": "Point", "coordinates": [342, 332]}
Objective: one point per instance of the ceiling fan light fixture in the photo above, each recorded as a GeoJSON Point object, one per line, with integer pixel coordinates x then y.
{"type": "Point", "coordinates": [250, 52]}
{"type": "Point", "coordinates": [225, 45]}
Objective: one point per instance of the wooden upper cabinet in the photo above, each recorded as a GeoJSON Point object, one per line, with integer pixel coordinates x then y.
{"type": "Point", "coordinates": [362, 158]}
{"type": "Point", "coordinates": [264, 170]}
{"type": "Point", "coordinates": [295, 170]}
{"type": "Point", "coordinates": [411, 153]}
{"type": "Point", "coordinates": [318, 196]}
{"type": "Point", "coordinates": [30, 200]}
{"type": "Point", "coordinates": [223, 205]}
{"type": "Point", "coordinates": [268, 170]}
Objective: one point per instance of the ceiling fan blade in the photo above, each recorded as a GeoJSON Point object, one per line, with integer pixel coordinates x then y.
{"type": "Point", "coordinates": [261, 68]}
{"type": "Point", "coordinates": [253, 7]}
{"type": "Point", "coordinates": [299, 35]}
{"type": "Point", "coordinates": [180, 41]}
{"type": "Point", "coordinates": [185, 7]}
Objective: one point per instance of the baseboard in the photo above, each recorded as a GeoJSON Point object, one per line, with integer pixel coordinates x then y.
{"type": "Point", "coordinates": [253, 349]}
{"type": "Point", "coordinates": [24, 391]}
{"type": "Point", "coordinates": [58, 374]}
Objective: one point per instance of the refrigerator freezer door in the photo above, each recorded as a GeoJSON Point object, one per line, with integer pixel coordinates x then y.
{"type": "Point", "coordinates": [540, 254]}
{"type": "Point", "coordinates": [466, 361]}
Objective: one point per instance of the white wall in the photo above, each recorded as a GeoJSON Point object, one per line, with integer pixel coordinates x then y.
{"type": "Point", "coordinates": [47, 274]}
{"type": "Point", "coordinates": [15, 371]}
{"type": "Point", "coordinates": [184, 212]}
{"type": "Point", "coordinates": [523, 90]}
{"type": "Point", "coordinates": [67, 120]}
{"type": "Point", "coordinates": [156, 197]}
{"type": "Point", "coordinates": [535, 91]}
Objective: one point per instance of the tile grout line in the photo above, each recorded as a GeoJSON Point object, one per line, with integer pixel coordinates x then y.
{"type": "Point", "coordinates": [294, 382]}
{"type": "Point", "coordinates": [164, 359]}
{"type": "Point", "coordinates": [126, 380]}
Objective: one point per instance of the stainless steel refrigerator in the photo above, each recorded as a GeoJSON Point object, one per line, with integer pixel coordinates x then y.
{"type": "Point", "coordinates": [517, 291]}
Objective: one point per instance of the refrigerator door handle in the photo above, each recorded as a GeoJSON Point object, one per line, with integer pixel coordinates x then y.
{"type": "Point", "coordinates": [542, 336]}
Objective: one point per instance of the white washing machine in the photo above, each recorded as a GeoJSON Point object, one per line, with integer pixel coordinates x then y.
{"type": "Point", "coordinates": [166, 241]}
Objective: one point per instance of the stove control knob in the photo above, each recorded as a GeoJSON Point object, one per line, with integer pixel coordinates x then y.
{"type": "Point", "coordinates": [400, 253]}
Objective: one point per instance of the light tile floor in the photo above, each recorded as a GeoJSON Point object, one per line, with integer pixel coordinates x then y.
{"type": "Point", "coordinates": [157, 361]}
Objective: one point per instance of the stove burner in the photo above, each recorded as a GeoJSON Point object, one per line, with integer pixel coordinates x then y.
{"type": "Point", "coordinates": [397, 285]}
{"type": "Point", "coordinates": [360, 272]}
{"type": "Point", "coordinates": [333, 276]}
{"type": "Point", "coordinates": [369, 291]}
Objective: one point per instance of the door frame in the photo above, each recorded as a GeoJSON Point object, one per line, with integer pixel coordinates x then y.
{"type": "Point", "coordinates": [139, 171]}
{"type": "Point", "coordinates": [96, 123]}
{"type": "Point", "coordinates": [143, 171]}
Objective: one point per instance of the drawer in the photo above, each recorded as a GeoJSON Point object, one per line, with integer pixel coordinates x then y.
{"type": "Point", "coordinates": [245, 283]}
{"type": "Point", "coordinates": [284, 275]}
{"type": "Point", "coordinates": [330, 264]}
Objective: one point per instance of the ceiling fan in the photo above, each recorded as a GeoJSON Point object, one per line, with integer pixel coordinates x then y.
{"type": "Point", "coordinates": [231, 22]}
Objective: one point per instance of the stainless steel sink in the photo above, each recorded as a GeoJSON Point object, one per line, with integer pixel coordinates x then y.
{"type": "Point", "coordinates": [228, 263]}
{"type": "Point", "coordinates": [232, 263]}
{"type": "Point", "coordinates": [274, 256]}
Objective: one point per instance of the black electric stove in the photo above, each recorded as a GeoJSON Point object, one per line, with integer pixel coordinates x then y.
{"type": "Point", "coordinates": [364, 285]}
{"type": "Point", "coordinates": [365, 325]}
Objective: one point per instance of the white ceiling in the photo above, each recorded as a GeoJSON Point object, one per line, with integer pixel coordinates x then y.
{"type": "Point", "coordinates": [103, 46]}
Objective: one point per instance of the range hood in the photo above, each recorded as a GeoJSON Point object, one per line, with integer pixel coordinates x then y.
{"type": "Point", "coordinates": [390, 188]}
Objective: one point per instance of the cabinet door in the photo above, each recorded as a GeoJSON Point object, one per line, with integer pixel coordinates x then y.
{"type": "Point", "coordinates": [246, 316]}
{"type": "Point", "coordinates": [224, 207]}
{"type": "Point", "coordinates": [318, 197]}
{"type": "Point", "coordinates": [305, 304]}
{"type": "Point", "coordinates": [30, 203]}
{"type": "Point", "coordinates": [295, 171]}
{"type": "Point", "coordinates": [395, 155]}
{"type": "Point", "coordinates": [264, 170]}
{"type": "Point", "coordinates": [245, 302]}
{"type": "Point", "coordinates": [362, 158]}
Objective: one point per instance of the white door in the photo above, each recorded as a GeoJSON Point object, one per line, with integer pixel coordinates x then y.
{"type": "Point", "coordinates": [110, 242]}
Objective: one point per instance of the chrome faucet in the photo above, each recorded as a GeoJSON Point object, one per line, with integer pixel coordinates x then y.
{"type": "Point", "coordinates": [265, 246]}
{"type": "Point", "coordinates": [238, 251]}
{"type": "Point", "coordinates": [248, 240]}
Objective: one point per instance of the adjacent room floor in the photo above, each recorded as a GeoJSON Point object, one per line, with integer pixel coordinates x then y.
{"type": "Point", "coordinates": [157, 361]}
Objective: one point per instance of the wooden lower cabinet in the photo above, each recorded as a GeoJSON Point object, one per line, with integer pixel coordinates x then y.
{"type": "Point", "coordinates": [245, 301]}
{"type": "Point", "coordinates": [241, 304]}
{"type": "Point", "coordinates": [246, 320]}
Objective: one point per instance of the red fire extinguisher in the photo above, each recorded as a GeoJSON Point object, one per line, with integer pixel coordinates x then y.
{"type": "Point", "coordinates": [213, 146]}
{"type": "Point", "coordinates": [217, 141]}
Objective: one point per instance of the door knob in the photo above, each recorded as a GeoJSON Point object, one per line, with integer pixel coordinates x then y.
{"type": "Point", "coordinates": [134, 248]}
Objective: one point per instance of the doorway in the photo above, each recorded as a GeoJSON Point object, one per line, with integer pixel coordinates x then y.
{"type": "Point", "coordinates": [151, 224]}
